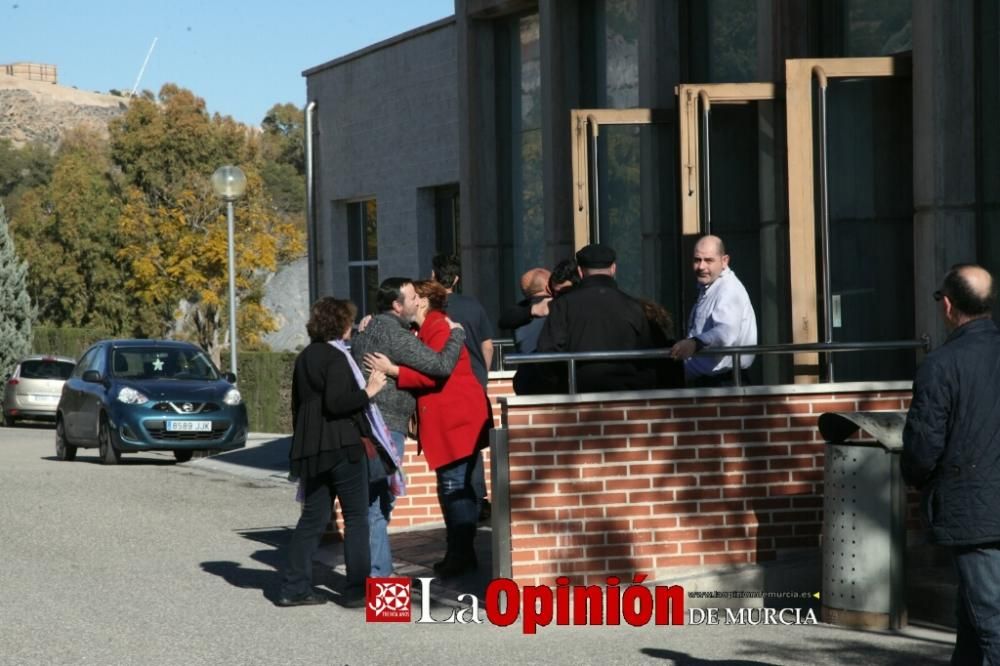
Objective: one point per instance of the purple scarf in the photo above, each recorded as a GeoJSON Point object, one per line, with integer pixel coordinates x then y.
{"type": "Point", "coordinates": [397, 482]}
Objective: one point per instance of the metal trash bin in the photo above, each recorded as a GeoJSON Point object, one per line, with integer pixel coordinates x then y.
{"type": "Point", "coordinates": [864, 521]}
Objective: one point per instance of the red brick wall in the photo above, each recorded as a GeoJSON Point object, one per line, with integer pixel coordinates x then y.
{"type": "Point", "coordinates": [420, 505]}
{"type": "Point", "coordinates": [608, 487]}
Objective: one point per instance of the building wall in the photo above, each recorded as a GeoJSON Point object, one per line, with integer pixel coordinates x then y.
{"type": "Point", "coordinates": [650, 482]}
{"type": "Point", "coordinates": [386, 127]}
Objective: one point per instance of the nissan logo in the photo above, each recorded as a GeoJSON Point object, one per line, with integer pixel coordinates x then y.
{"type": "Point", "coordinates": [187, 407]}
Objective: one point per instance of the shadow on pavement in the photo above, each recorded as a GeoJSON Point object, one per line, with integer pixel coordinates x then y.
{"type": "Point", "coordinates": [852, 650]}
{"type": "Point", "coordinates": [126, 460]}
{"type": "Point", "coordinates": [270, 455]}
{"type": "Point", "coordinates": [414, 551]}
{"type": "Point", "coordinates": [684, 659]}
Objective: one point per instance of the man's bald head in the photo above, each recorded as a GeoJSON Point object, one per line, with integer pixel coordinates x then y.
{"type": "Point", "coordinates": [710, 259]}
{"type": "Point", "coordinates": [969, 288]}
{"type": "Point", "coordinates": [535, 282]}
{"type": "Point", "coordinates": [710, 244]}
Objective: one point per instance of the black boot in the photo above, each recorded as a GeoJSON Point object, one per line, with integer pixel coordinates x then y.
{"type": "Point", "coordinates": [461, 557]}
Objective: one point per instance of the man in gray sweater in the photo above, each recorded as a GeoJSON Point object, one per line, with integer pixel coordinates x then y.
{"type": "Point", "coordinates": [389, 333]}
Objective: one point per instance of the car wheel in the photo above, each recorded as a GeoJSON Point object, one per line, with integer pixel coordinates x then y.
{"type": "Point", "coordinates": [183, 456]}
{"type": "Point", "coordinates": [106, 448]}
{"type": "Point", "coordinates": [64, 450]}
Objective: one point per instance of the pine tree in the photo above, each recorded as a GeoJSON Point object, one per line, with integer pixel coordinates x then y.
{"type": "Point", "coordinates": [15, 304]}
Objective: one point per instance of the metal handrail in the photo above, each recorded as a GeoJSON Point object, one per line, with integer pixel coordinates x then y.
{"type": "Point", "coordinates": [792, 348]}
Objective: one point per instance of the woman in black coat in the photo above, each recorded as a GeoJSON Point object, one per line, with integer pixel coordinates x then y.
{"type": "Point", "coordinates": [328, 408]}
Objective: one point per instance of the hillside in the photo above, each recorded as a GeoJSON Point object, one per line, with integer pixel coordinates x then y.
{"type": "Point", "coordinates": [40, 111]}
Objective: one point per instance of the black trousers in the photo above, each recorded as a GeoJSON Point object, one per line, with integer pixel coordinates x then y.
{"type": "Point", "coordinates": [349, 481]}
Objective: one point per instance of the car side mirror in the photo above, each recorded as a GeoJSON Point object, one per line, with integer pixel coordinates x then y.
{"type": "Point", "coordinates": [231, 377]}
{"type": "Point", "coordinates": [93, 376]}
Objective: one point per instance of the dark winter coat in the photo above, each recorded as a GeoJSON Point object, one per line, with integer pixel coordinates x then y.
{"type": "Point", "coordinates": [951, 442]}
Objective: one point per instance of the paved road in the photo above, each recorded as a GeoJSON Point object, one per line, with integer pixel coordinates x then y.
{"type": "Point", "coordinates": [155, 563]}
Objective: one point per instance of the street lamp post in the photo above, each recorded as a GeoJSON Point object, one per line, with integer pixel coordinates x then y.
{"type": "Point", "coordinates": [229, 183]}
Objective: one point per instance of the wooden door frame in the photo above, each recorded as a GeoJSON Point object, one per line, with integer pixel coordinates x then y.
{"type": "Point", "coordinates": [799, 74]}
{"type": "Point", "coordinates": [691, 97]}
{"type": "Point", "coordinates": [585, 124]}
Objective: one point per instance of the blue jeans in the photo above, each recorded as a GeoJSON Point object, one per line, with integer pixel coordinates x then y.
{"type": "Point", "coordinates": [460, 486]}
{"type": "Point", "coordinates": [978, 631]}
{"type": "Point", "coordinates": [380, 502]}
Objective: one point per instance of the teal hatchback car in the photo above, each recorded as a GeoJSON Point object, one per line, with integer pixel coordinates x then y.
{"type": "Point", "coordinates": [148, 395]}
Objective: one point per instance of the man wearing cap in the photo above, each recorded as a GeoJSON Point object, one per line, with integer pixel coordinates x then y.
{"type": "Point", "coordinates": [722, 317]}
{"type": "Point", "coordinates": [597, 316]}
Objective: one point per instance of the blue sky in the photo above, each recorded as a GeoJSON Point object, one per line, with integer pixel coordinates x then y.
{"type": "Point", "coordinates": [242, 56]}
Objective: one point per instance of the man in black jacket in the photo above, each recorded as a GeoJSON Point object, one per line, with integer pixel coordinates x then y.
{"type": "Point", "coordinates": [597, 316]}
{"type": "Point", "coordinates": [951, 451]}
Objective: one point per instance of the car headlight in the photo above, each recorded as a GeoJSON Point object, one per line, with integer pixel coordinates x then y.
{"type": "Point", "coordinates": [233, 397]}
{"type": "Point", "coordinates": [131, 397]}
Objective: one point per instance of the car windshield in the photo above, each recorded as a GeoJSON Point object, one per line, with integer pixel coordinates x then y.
{"type": "Point", "coordinates": [46, 369]}
{"type": "Point", "coordinates": [160, 363]}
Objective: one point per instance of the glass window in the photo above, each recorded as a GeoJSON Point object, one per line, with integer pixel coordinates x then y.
{"type": "Point", "coordinates": [46, 369]}
{"type": "Point", "coordinates": [362, 253]}
{"type": "Point", "coordinates": [724, 41]}
{"type": "Point", "coordinates": [519, 101]}
{"type": "Point", "coordinates": [87, 362]}
{"type": "Point", "coordinates": [159, 363]}
{"type": "Point", "coordinates": [528, 204]}
{"type": "Point", "coordinates": [877, 27]}
{"type": "Point", "coordinates": [446, 220]}
{"type": "Point", "coordinates": [618, 54]}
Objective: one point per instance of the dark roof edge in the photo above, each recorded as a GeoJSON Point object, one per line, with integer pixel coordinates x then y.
{"type": "Point", "coordinates": [430, 27]}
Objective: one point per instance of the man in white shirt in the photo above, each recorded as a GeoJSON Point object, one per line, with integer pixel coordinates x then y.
{"type": "Point", "coordinates": [722, 317]}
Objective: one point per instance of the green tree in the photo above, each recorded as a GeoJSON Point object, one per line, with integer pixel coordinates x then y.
{"type": "Point", "coordinates": [22, 169]}
{"type": "Point", "coordinates": [67, 231]}
{"type": "Point", "coordinates": [15, 324]}
{"type": "Point", "coordinates": [284, 137]}
{"type": "Point", "coordinates": [173, 228]}
{"type": "Point", "coordinates": [283, 167]}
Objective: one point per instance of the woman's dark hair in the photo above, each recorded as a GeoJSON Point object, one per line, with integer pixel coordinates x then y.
{"type": "Point", "coordinates": [329, 317]}
{"type": "Point", "coordinates": [658, 317]}
{"type": "Point", "coordinates": [436, 295]}
{"type": "Point", "coordinates": [447, 269]}
{"type": "Point", "coordinates": [564, 271]}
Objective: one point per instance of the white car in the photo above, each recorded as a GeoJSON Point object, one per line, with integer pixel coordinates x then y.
{"type": "Point", "coordinates": [32, 391]}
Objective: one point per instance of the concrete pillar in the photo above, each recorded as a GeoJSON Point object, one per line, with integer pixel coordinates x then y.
{"type": "Point", "coordinates": [561, 92]}
{"type": "Point", "coordinates": [480, 221]}
{"type": "Point", "coordinates": [944, 149]}
{"type": "Point", "coordinates": [659, 74]}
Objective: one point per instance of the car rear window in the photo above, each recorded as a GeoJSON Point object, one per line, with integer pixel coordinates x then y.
{"type": "Point", "coordinates": [44, 369]}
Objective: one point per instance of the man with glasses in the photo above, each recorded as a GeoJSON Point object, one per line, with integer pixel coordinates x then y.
{"type": "Point", "coordinates": [951, 451]}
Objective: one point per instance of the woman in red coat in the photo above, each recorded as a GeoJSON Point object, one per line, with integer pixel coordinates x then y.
{"type": "Point", "coordinates": [452, 418]}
